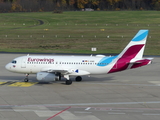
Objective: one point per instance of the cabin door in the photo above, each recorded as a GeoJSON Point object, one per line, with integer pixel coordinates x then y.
{"type": "Point", "coordinates": [23, 63]}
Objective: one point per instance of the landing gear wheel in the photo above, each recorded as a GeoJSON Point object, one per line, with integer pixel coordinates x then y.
{"type": "Point", "coordinates": [26, 80]}
{"type": "Point", "coordinates": [78, 78]}
{"type": "Point", "coordinates": [68, 82]}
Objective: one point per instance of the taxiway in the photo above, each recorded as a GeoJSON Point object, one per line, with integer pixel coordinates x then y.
{"type": "Point", "coordinates": [127, 95]}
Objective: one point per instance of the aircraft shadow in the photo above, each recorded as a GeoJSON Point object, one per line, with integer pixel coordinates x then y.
{"type": "Point", "coordinates": [33, 79]}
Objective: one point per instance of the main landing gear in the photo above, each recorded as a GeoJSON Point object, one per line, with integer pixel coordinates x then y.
{"type": "Point", "coordinates": [78, 78]}
{"type": "Point", "coordinates": [26, 78]}
{"type": "Point", "coordinates": [69, 82]}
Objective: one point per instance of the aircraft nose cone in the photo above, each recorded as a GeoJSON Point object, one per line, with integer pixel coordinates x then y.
{"type": "Point", "coordinates": [8, 67]}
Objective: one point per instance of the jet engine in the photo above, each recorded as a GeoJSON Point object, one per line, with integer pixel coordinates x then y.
{"type": "Point", "coordinates": [45, 76]}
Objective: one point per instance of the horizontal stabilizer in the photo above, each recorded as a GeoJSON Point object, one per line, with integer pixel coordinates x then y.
{"type": "Point", "coordinates": [140, 63]}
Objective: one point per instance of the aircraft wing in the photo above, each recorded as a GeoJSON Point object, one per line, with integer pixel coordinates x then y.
{"type": "Point", "coordinates": [62, 71]}
{"type": "Point", "coordinates": [66, 71]}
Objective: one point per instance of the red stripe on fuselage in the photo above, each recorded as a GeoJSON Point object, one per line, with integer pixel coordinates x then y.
{"type": "Point", "coordinates": [122, 62]}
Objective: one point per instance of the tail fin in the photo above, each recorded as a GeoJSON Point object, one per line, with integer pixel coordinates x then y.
{"type": "Point", "coordinates": [131, 56]}
{"type": "Point", "coordinates": [135, 48]}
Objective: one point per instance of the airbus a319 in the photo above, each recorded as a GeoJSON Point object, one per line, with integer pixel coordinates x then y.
{"type": "Point", "coordinates": [52, 68]}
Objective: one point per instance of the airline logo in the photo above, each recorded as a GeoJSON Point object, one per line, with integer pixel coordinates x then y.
{"type": "Point", "coordinates": [77, 71]}
{"type": "Point", "coordinates": [40, 60]}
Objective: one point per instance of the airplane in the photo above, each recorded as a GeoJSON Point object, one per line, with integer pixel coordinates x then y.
{"type": "Point", "coordinates": [52, 68]}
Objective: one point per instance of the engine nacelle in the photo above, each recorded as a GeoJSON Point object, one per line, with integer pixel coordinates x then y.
{"type": "Point", "coordinates": [45, 76]}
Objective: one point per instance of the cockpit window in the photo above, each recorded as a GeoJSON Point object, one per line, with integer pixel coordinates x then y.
{"type": "Point", "coordinates": [14, 61]}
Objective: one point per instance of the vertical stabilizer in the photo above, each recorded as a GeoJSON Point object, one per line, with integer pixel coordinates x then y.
{"type": "Point", "coordinates": [135, 48]}
{"type": "Point", "coordinates": [131, 56]}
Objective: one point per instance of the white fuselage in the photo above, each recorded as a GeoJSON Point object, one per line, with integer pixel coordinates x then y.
{"type": "Point", "coordinates": [35, 64]}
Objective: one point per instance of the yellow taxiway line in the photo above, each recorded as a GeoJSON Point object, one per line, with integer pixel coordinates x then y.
{"type": "Point", "coordinates": [18, 84]}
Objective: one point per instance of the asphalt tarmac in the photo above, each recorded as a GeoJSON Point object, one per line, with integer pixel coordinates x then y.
{"type": "Point", "coordinates": [128, 95]}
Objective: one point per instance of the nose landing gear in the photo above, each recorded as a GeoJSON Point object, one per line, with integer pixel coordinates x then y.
{"type": "Point", "coordinates": [26, 78]}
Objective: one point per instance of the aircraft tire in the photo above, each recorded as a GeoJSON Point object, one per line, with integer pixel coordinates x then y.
{"type": "Point", "coordinates": [68, 82]}
{"type": "Point", "coordinates": [78, 78]}
{"type": "Point", "coordinates": [26, 80]}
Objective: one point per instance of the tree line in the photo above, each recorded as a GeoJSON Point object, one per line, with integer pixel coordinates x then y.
{"type": "Point", "coordinates": [64, 5]}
